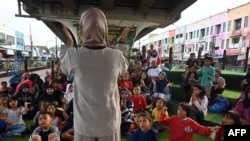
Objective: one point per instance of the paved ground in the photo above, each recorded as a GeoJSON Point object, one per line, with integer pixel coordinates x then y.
{"type": "Point", "coordinates": [39, 72]}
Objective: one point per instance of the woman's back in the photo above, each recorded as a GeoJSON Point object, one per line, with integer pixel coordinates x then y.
{"type": "Point", "coordinates": [96, 90]}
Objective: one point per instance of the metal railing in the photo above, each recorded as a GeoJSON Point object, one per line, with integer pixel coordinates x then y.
{"type": "Point", "coordinates": [182, 65]}
{"type": "Point", "coordinates": [10, 65]}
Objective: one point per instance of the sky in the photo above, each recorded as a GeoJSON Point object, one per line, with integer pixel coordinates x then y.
{"type": "Point", "coordinates": [42, 35]}
{"type": "Point", "coordinates": [202, 9]}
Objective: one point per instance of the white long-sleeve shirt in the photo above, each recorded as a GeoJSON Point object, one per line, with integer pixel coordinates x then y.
{"type": "Point", "coordinates": [96, 96]}
{"type": "Point", "coordinates": [200, 104]}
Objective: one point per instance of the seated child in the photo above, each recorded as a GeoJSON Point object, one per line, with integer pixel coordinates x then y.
{"type": "Point", "coordinates": [45, 131]}
{"type": "Point", "coordinates": [69, 94]}
{"type": "Point", "coordinates": [160, 104]}
{"type": "Point", "coordinates": [4, 87]}
{"type": "Point", "coordinates": [138, 99]}
{"type": "Point", "coordinates": [24, 95]}
{"type": "Point", "coordinates": [161, 87]}
{"type": "Point", "coordinates": [53, 95]}
{"type": "Point", "coordinates": [41, 108]}
{"type": "Point", "coordinates": [145, 132]}
{"type": "Point", "coordinates": [126, 110]}
{"type": "Point", "coordinates": [190, 79]}
{"type": "Point", "coordinates": [229, 118]}
{"type": "Point", "coordinates": [3, 105]}
{"type": "Point", "coordinates": [198, 103]}
{"type": "Point", "coordinates": [15, 114]}
{"type": "Point", "coordinates": [134, 126]}
{"type": "Point", "coordinates": [54, 110]}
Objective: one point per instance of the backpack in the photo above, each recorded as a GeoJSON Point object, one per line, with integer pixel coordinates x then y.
{"type": "Point", "coordinates": [221, 104]}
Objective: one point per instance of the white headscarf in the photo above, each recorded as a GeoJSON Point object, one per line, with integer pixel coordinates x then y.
{"type": "Point", "coordinates": [69, 95]}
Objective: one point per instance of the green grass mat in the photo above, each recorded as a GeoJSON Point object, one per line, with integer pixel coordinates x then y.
{"type": "Point", "coordinates": [165, 135]}
{"type": "Point", "coordinates": [162, 137]}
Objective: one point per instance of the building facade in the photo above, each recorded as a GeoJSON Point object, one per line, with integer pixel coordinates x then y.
{"type": "Point", "coordinates": [179, 43]}
{"type": "Point", "coordinates": [197, 36]}
{"type": "Point", "coordinates": [226, 31]}
{"type": "Point", "coordinates": [238, 32]}
{"type": "Point", "coordinates": [218, 34]}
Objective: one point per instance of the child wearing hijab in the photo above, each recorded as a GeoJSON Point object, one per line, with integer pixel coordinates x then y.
{"type": "Point", "coordinates": [161, 87]}
{"type": "Point", "coordinates": [126, 110]}
{"type": "Point", "coordinates": [69, 93]}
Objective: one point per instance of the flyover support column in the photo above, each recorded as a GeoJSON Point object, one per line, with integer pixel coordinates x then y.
{"type": "Point", "coordinates": [52, 70]}
{"type": "Point", "coordinates": [170, 59]}
{"type": "Point", "coordinates": [26, 64]}
{"type": "Point", "coordinates": [224, 59]}
{"type": "Point", "coordinates": [199, 55]}
{"type": "Point", "coordinates": [246, 59]}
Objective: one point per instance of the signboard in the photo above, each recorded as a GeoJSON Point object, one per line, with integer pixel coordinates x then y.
{"type": "Point", "coordinates": [19, 41]}
{"type": "Point", "coordinates": [114, 33]}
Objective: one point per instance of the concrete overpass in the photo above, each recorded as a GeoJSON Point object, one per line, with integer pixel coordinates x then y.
{"type": "Point", "coordinates": [143, 15]}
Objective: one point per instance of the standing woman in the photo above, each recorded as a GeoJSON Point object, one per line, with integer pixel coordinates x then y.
{"type": "Point", "coordinates": [96, 68]}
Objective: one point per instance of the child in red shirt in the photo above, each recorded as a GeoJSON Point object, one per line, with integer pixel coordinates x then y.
{"type": "Point", "coordinates": [126, 82]}
{"type": "Point", "coordinates": [138, 99]}
{"type": "Point", "coordinates": [182, 128]}
{"type": "Point", "coordinates": [229, 118]}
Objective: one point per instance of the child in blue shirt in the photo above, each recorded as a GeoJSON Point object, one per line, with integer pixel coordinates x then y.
{"type": "Point", "coordinates": [145, 132]}
{"type": "Point", "coordinates": [207, 74]}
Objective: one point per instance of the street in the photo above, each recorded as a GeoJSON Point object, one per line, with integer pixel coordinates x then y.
{"type": "Point", "coordinates": [39, 72]}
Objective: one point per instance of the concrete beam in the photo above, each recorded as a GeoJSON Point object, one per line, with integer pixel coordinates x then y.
{"type": "Point", "coordinates": [144, 6]}
{"type": "Point", "coordinates": [69, 4]}
{"type": "Point", "coordinates": [107, 4]}
{"type": "Point", "coordinates": [31, 3]}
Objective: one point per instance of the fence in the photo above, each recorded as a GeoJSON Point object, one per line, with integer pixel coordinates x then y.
{"type": "Point", "coordinates": [182, 65]}
{"type": "Point", "coordinates": [10, 65]}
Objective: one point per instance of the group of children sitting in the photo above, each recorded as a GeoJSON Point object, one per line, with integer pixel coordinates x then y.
{"type": "Point", "coordinates": [147, 125]}
{"type": "Point", "coordinates": [47, 124]}
{"type": "Point", "coordinates": [148, 110]}
{"type": "Point", "coordinates": [144, 94]}
{"type": "Point", "coordinates": [48, 105]}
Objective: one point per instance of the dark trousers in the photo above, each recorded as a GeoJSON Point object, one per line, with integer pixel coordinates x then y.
{"type": "Point", "coordinates": [197, 115]}
{"type": "Point", "coordinates": [125, 127]}
{"type": "Point", "coordinates": [214, 93]}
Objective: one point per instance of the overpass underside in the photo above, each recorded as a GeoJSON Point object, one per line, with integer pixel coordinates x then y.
{"type": "Point", "coordinates": [143, 15]}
